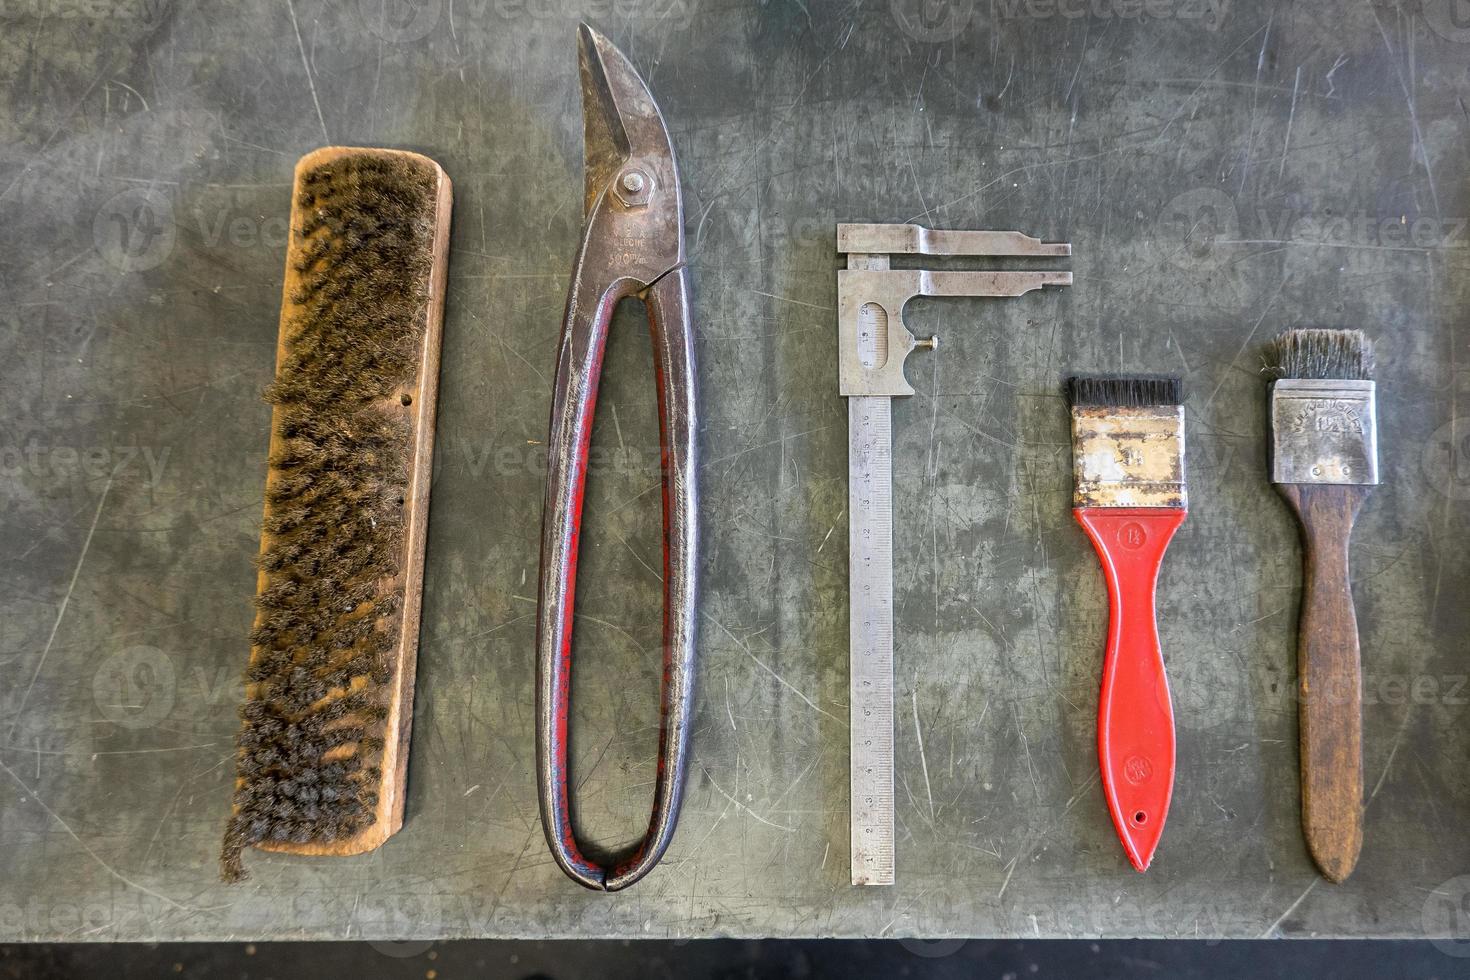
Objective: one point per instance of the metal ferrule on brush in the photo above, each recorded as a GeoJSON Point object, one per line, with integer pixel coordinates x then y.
{"type": "Point", "coordinates": [1324, 431]}
{"type": "Point", "coordinates": [1128, 456]}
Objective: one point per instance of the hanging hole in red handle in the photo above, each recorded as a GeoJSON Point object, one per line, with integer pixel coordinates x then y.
{"type": "Point", "coordinates": [1140, 818]}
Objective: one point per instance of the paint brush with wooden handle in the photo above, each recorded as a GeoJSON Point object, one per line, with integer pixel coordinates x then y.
{"type": "Point", "coordinates": [1324, 460]}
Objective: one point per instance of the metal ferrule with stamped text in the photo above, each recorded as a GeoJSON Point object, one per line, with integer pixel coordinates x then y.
{"type": "Point", "coordinates": [1128, 456]}
{"type": "Point", "coordinates": [1324, 431]}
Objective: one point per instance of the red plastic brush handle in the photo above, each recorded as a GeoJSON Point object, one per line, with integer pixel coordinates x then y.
{"type": "Point", "coordinates": [1135, 719]}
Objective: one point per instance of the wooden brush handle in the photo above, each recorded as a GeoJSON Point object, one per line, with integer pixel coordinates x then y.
{"type": "Point", "coordinates": [1330, 678]}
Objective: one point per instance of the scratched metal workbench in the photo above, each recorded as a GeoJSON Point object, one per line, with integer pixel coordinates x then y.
{"type": "Point", "coordinates": [1224, 170]}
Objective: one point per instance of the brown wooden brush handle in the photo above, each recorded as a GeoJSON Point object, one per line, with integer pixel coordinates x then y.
{"type": "Point", "coordinates": [1330, 678]}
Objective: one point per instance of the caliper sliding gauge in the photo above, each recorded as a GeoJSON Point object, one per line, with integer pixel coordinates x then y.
{"type": "Point", "coordinates": [872, 345]}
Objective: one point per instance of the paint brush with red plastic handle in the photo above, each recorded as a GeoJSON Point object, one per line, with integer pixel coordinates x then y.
{"type": "Point", "coordinates": [1128, 462]}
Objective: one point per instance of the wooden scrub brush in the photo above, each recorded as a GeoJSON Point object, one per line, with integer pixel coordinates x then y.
{"type": "Point", "coordinates": [323, 750]}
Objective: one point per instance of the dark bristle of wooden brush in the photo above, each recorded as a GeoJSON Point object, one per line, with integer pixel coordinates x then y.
{"type": "Point", "coordinates": [326, 631]}
{"type": "Point", "coordinates": [1314, 353]}
{"type": "Point", "coordinates": [1136, 392]}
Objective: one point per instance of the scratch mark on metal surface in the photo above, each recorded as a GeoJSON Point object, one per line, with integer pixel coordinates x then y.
{"type": "Point", "coordinates": [618, 427]}
{"type": "Point", "coordinates": [764, 445]}
{"type": "Point", "coordinates": [1271, 929]}
{"type": "Point", "coordinates": [1010, 76]}
{"type": "Point", "coordinates": [122, 84]}
{"type": "Point", "coordinates": [500, 626]}
{"type": "Point", "coordinates": [1341, 60]}
{"type": "Point", "coordinates": [728, 713]}
{"type": "Point", "coordinates": [793, 784]}
{"type": "Point", "coordinates": [1388, 763]}
{"type": "Point", "coordinates": [97, 857]}
{"type": "Point", "coordinates": [794, 302]}
{"type": "Point", "coordinates": [744, 166]}
{"type": "Point", "coordinates": [1444, 519]}
{"type": "Point", "coordinates": [1026, 749]}
{"type": "Point", "coordinates": [905, 911]}
{"type": "Point", "coordinates": [1248, 337]}
{"type": "Point", "coordinates": [763, 666]}
{"type": "Point", "coordinates": [1095, 777]}
{"type": "Point", "coordinates": [168, 811]}
{"type": "Point", "coordinates": [1081, 58]}
{"type": "Point", "coordinates": [1418, 149]}
{"type": "Point", "coordinates": [742, 806]}
{"type": "Point", "coordinates": [61, 612]}
{"type": "Point", "coordinates": [714, 825]}
{"type": "Point", "coordinates": [923, 758]}
{"type": "Point", "coordinates": [1363, 247]}
{"type": "Point", "coordinates": [1206, 79]}
{"type": "Point", "coordinates": [1290, 118]}
{"type": "Point", "coordinates": [1258, 619]}
{"type": "Point", "coordinates": [1250, 143]}
{"type": "Point", "coordinates": [521, 357]}
{"type": "Point", "coordinates": [612, 626]}
{"type": "Point", "coordinates": [656, 485]}
{"type": "Point", "coordinates": [600, 756]}
{"type": "Point", "coordinates": [65, 119]}
{"type": "Point", "coordinates": [636, 556]}
{"type": "Point", "coordinates": [305, 63]}
{"type": "Point", "coordinates": [356, 904]}
{"type": "Point", "coordinates": [531, 833]}
{"type": "Point", "coordinates": [1010, 870]}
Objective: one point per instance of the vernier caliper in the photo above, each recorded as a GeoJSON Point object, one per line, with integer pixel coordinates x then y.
{"type": "Point", "coordinates": [872, 343]}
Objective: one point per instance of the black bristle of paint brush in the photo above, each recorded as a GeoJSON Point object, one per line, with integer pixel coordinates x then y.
{"type": "Point", "coordinates": [325, 637]}
{"type": "Point", "coordinates": [1337, 355]}
{"type": "Point", "coordinates": [1137, 392]}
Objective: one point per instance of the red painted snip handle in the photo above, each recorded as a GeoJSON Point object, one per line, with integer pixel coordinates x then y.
{"type": "Point", "coordinates": [1135, 719]}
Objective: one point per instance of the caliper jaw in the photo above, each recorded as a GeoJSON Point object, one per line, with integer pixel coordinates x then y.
{"type": "Point", "coordinates": [872, 339]}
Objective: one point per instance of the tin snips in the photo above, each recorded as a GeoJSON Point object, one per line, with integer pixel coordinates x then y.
{"type": "Point", "coordinates": [632, 246]}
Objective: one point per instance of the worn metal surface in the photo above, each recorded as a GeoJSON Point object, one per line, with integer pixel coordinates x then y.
{"type": "Point", "coordinates": [873, 341]}
{"type": "Point", "coordinates": [907, 239]}
{"type": "Point", "coordinates": [632, 247]}
{"type": "Point", "coordinates": [1324, 431]}
{"type": "Point", "coordinates": [1223, 171]}
{"type": "Point", "coordinates": [870, 306]}
{"type": "Point", "coordinates": [1124, 456]}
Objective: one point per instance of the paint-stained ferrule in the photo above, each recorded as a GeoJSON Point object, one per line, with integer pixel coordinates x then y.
{"type": "Point", "coordinates": [1128, 457]}
{"type": "Point", "coordinates": [1324, 431]}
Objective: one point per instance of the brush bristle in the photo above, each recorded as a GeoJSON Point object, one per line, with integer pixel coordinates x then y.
{"type": "Point", "coordinates": [1338, 355]}
{"type": "Point", "coordinates": [309, 751]}
{"type": "Point", "coordinates": [1124, 392]}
